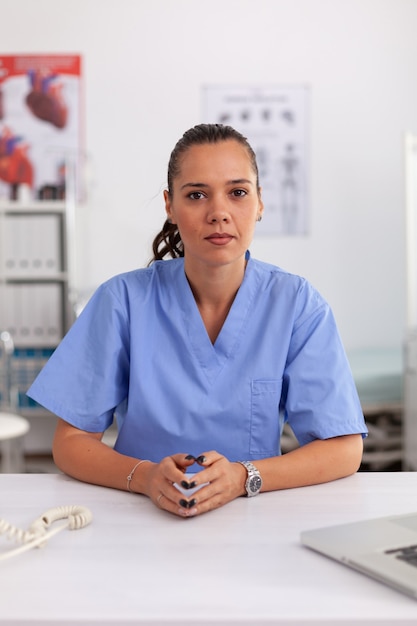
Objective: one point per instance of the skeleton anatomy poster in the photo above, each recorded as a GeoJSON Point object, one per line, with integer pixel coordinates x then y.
{"type": "Point", "coordinates": [274, 120]}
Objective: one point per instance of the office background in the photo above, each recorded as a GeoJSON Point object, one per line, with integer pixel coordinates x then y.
{"type": "Point", "coordinates": [145, 65]}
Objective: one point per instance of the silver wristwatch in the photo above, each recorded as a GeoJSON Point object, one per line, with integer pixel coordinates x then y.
{"type": "Point", "coordinates": [254, 481]}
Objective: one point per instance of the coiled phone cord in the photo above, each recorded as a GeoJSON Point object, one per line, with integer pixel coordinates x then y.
{"type": "Point", "coordinates": [37, 534]}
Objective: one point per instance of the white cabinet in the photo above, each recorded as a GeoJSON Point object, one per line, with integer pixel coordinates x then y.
{"type": "Point", "coordinates": [34, 273]}
{"type": "Point", "coordinates": [34, 293]}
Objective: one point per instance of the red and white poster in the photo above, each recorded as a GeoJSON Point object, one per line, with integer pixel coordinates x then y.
{"type": "Point", "coordinates": [40, 125]}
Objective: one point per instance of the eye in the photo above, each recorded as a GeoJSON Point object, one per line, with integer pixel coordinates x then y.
{"type": "Point", "coordinates": [196, 195]}
{"type": "Point", "coordinates": [239, 193]}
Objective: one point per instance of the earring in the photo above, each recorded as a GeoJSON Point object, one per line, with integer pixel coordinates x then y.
{"type": "Point", "coordinates": [259, 218]}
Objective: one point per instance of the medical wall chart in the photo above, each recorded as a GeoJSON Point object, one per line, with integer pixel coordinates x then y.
{"type": "Point", "coordinates": [40, 124]}
{"type": "Point", "coordinates": [275, 121]}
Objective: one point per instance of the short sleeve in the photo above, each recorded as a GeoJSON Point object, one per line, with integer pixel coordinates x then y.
{"type": "Point", "coordinates": [87, 376]}
{"type": "Point", "coordinates": [319, 394]}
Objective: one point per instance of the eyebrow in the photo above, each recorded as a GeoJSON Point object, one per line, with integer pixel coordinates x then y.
{"type": "Point", "coordinates": [236, 181]}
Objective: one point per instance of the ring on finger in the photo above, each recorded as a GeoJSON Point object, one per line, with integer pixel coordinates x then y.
{"type": "Point", "coordinates": [161, 495]}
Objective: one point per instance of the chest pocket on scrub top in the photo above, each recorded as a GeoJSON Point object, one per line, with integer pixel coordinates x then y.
{"type": "Point", "coordinates": [265, 423]}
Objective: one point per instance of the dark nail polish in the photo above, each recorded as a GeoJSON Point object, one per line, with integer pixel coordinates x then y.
{"type": "Point", "coordinates": [185, 484]}
{"type": "Point", "coordinates": [192, 503]}
{"type": "Point", "coordinates": [184, 503]}
{"type": "Point", "coordinates": [201, 459]}
{"type": "Point", "coordinates": [190, 457]}
{"type": "Point", "coordinates": [192, 485]}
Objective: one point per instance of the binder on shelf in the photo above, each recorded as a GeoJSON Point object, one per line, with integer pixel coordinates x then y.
{"type": "Point", "coordinates": [32, 245]}
{"type": "Point", "coordinates": [32, 313]}
{"type": "Point", "coordinates": [18, 373]}
{"type": "Point", "coordinates": [26, 365]}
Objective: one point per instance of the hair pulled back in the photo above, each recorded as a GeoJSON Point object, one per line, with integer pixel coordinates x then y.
{"type": "Point", "coordinates": [168, 240]}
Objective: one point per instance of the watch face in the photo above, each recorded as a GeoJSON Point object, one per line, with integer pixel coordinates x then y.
{"type": "Point", "coordinates": [255, 484]}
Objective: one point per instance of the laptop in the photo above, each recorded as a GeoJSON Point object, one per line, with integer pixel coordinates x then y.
{"type": "Point", "coordinates": [384, 548]}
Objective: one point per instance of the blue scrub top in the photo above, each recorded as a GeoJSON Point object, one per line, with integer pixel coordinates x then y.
{"type": "Point", "coordinates": [140, 351]}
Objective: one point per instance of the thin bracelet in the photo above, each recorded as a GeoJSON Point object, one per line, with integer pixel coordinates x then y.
{"type": "Point", "coordinates": [129, 478]}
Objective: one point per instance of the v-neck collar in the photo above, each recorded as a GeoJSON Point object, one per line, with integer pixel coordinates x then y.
{"type": "Point", "coordinates": [213, 357]}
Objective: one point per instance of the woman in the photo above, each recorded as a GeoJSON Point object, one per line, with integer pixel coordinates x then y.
{"type": "Point", "coordinates": [203, 357]}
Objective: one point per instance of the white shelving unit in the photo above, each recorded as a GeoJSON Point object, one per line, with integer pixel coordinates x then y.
{"type": "Point", "coordinates": [35, 306]}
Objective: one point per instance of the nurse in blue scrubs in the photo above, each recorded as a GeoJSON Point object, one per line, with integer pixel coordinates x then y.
{"type": "Point", "coordinates": [204, 355]}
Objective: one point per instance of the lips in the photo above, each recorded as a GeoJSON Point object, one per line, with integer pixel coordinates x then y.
{"type": "Point", "coordinates": [219, 239]}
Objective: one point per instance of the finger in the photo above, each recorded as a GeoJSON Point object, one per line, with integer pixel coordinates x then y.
{"type": "Point", "coordinates": [172, 468]}
{"type": "Point", "coordinates": [209, 498]}
{"type": "Point", "coordinates": [188, 502]}
{"type": "Point", "coordinates": [208, 458]}
{"type": "Point", "coordinates": [218, 485]}
{"type": "Point", "coordinates": [213, 465]}
{"type": "Point", "coordinates": [158, 500]}
{"type": "Point", "coordinates": [175, 503]}
{"type": "Point", "coordinates": [196, 506]}
{"type": "Point", "coordinates": [174, 471]}
{"type": "Point", "coordinates": [183, 460]}
{"type": "Point", "coordinates": [205, 493]}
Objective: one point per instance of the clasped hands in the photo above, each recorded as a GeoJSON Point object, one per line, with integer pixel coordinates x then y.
{"type": "Point", "coordinates": [217, 484]}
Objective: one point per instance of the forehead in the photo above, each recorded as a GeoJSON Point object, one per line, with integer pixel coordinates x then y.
{"type": "Point", "coordinates": [223, 160]}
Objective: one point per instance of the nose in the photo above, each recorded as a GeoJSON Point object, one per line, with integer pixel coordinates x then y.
{"type": "Point", "coordinates": [217, 207]}
{"type": "Point", "coordinates": [217, 214]}
{"type": "Point", "coordinates": [214, 219]}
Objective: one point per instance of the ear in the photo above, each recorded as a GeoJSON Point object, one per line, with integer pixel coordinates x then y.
{"type": "Point", "coordinates": [261, 204]}
{"type": "Point", "coordinates": [167, 199]}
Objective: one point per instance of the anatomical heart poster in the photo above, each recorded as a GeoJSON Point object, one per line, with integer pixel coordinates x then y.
{"type": "Point", "coordinates": [40, 126]}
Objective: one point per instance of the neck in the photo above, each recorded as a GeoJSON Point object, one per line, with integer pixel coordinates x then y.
{"type": "Point", "coordinates": [214, 290]}
{"type": "Point", "coordinates": [216, 284]}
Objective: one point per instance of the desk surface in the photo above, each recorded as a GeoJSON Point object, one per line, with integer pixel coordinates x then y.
{"type": "Point", "coordinates": [241, 564]}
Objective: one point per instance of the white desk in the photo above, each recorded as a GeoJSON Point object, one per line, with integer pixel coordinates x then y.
{"type": "Point", "coordinates": [242, 564]}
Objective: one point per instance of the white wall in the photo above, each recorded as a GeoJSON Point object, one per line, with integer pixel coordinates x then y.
{"type": "Point", "coordinates": [145, 63]}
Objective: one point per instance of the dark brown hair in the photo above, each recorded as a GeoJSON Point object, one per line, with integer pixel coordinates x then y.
{"type": "Point", "coordinates": [168, 240]}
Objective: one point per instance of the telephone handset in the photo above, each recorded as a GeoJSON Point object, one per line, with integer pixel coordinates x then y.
{"type": "Point", "coordinates": [37, 534]}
